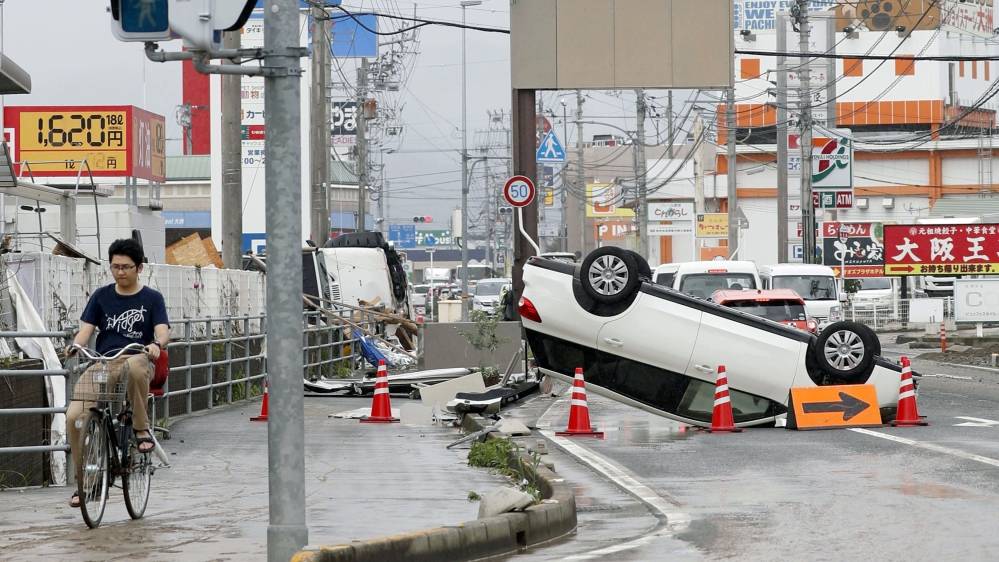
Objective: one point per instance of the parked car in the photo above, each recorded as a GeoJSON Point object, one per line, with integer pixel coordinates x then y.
{"type": "Point", "coordinates": [702, 278]}
{"type": "Point", "coordinates": [655, 348]}
{"type": "Point", "coordinates": [816, 284]}
{"type": "Point", "coordinates": [872, 292]}
{"type": "Point", "coordinates": [486, 295]}
{"type": "Point", "coordinates": [418, 298]}
{"type": "Point", "coordinates": [780, 305]}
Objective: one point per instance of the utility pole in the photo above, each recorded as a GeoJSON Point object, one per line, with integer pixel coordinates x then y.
{"type": "Point", "coordinates": [464, 168]}
{"type": "Point", "coordinates": [362, 143]}
{"type": "Point", "coordinates": [563, 180]}
{"type": "Point", "coordinates": [580, 172]}
{"type": "Point", "coordinates": [232, 163]}
{"type": "Point", "coordinates": [287, 531]}
{"type": "Point", "coordinates": [733, 201]}
{"type": "Point", "coordinates": [698, 131]}
{"type": "Point", "coordinates": [669, 121]}
{"type": "Point", "coordinates": [319, 132]}
{"type": "Point", "coordinates": [804, 89]}
{"type": "Point", "coordinates": [640, 175]}
{"type": "Point", "coordinates": [782, 210]}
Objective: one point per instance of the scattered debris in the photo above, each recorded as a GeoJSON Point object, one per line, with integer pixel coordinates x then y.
{"type": "Point", "coordinates": [194, 251]}
{"type": "Point", "coordinates": [503, 500]}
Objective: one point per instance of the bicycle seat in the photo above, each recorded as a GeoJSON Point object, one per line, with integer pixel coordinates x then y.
{"type": "Point", "coordinates": [160, 374]}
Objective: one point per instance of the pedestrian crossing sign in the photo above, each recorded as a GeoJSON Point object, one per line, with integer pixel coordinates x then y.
{"type": "Point", "coordinates": [550, 150]}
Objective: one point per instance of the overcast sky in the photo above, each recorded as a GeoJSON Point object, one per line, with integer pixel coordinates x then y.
{"type": "Point", "coordinates": [67, 47]}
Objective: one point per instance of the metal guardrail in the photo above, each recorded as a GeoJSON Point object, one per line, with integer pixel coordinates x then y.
{"type": "Point", "coordinates": [892, 314]}
{"type": "Point", "coordinates": [65, 373]}
{"type": "Point", "coordinates": [221, 361]}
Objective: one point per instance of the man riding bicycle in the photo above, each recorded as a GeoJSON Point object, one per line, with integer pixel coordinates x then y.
{"type": "Point", "coordinates": [124, 312]}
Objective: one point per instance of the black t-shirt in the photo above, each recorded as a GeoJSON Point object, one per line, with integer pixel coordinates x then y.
{"type": "Point", "coordinates": [124, 319]}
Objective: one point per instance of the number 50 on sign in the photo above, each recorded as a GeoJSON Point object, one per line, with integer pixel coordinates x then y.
{"type": "Point", "coordinates": [519, 191]}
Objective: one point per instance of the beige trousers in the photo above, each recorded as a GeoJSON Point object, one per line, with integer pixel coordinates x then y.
{"type": "Point", "coordinates": [140, 372]}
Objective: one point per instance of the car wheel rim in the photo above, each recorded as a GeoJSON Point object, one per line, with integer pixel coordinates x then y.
{"type": "Point", "coordinates": [844, 350]}
{"type": "Point", "coordinates": [608, 275]}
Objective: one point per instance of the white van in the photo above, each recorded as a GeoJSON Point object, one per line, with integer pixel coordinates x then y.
{"type": "Point", "coordinates": [702, 278]}
{"type": "Point", "coordinates": [816, 284]}
{"type": "Point", "coordinates": [360, 274]}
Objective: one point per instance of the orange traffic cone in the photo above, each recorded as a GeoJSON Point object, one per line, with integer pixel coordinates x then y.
{"type": "Point", "coordinates": [381, 406]}
{"type": "Point", "coordinates": [721, 415]}
{"type": "Point", "coordinates": [263, 407]}
{"type": "Point", "coordinates": [579, 412]}
{"type": "Point", "coordinates": [908, 413]}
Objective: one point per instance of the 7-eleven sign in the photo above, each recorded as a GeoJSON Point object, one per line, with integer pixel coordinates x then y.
{"type": "Point", "coordinates": [832, 158]}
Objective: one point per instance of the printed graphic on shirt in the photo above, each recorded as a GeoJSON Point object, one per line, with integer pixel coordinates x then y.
{"type": "Point", "coordinates": [126, 322]}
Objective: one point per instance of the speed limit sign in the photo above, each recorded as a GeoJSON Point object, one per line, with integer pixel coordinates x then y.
{"type": "Point", "coordinates": [519, 191]}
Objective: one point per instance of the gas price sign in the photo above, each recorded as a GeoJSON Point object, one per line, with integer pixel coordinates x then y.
{"type": "Point", "coordinates": [113, 140]}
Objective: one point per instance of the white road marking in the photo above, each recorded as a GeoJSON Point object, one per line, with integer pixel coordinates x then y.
{"type": "Point", "coordinates": [675, 520]}
{"type": "Point", "coordinates": [929, 447]}
{"type": "Point", "coordinates": [975, 422]}
{"type": "Point", "coordinates": [955, 377]}
{"type": "Point", "coordinates": [989, 369]}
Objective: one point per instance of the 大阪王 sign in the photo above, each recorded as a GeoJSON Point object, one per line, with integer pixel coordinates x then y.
{"type": "Point", "coordinates": [951, 249]}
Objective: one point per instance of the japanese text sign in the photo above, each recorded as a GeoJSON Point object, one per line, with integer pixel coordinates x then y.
{"type": "Point", "coordinates": [951, 249]}
{"type": "Point", "coordinates": [863, 252]}
{"type": "Point", "coordinates": [712, 225]}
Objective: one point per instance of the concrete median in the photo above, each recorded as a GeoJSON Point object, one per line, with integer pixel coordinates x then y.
{"type": "Point", "coordinates": [482, 538]}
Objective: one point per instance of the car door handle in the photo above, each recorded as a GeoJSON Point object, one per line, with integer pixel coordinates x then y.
{"type": "Point", "coordinates": [614, 342]}
{"type": "Point", "coordinates": [705, 368]}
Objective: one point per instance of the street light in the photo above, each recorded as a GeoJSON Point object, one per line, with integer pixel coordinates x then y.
{"type": "Point", "coordinates": [464, 166]}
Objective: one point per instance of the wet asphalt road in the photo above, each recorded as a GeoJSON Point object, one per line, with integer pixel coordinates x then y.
{"type": "Point", "coordinates": [767, 494]}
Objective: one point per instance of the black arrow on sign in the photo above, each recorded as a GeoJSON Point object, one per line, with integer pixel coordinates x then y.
{"type": "Point", "coordinates": [849, 405]}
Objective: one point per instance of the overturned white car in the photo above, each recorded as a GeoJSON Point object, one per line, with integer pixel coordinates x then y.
{"type": "Point", "coordinates": [657, 349]}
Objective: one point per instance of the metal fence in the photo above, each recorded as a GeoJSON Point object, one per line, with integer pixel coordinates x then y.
{"type": "Point", "coordinates": [894, 314]}
{"type": "Point", "coordinates": [213, 361]}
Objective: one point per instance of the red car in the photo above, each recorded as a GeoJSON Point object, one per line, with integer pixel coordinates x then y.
{"type": "Point", "coordinates": [780, 305]}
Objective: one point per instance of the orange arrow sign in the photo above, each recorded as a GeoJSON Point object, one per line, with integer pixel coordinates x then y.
{"type": "Point", "coordinates": [833, 406]}
{"type": "Point", "coordinates": [897, 268]}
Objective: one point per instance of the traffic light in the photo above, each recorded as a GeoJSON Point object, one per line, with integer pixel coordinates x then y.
{"type": "Point", "coordinates": [423, 219]}
{"type": "Point", "coordinates": [199, 24]}
{"type": "Point", "coordinates": [140, 20]}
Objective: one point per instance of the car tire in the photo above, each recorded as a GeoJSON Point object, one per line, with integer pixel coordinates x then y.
{"type": "Point", "coordinates": [846, 350]}
{"type": "Point", "coordinates": [609, 275]}
{"type": "Point", "coordinates": [644, 271]}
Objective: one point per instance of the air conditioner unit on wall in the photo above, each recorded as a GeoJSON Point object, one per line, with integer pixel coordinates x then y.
{"type": "Point", "coordinates": [888, 202]}
{"type": "Point", "coordinates": [861, 203]}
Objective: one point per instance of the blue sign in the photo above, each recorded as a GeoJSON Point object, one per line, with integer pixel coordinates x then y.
{"type": "Point", "coordinates": [355, 38]}
{"type": "Point", "coordinates": [144, 16]}
{"type": "Point", "coordinates": [303, 4]}
{"type": "Point", "coordinates": [255, 242]}
{"type": "Point", "coordinates": [187, 219]}
{"type": "Point", "coordinates": [403, 235]}
{"type": "Point", "coordinates": [550, 149]}
{"type": "Point", "coordinates": [429, 240]}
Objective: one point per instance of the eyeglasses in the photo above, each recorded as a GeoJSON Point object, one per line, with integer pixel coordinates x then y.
{"type": "Point", "coordinates": [122, 267]}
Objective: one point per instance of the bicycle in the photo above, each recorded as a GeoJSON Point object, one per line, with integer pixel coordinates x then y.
{"type": "Point", "coordinates": [110, 449]}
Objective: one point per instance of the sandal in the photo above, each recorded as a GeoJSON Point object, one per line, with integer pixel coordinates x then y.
{"type": "Point", "coordinates": [140, 441]}
{"type": "Point", "coordinates": [74, 500]}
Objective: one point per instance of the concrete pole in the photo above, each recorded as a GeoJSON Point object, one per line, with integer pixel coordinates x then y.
{"type": "Point", "coordinates": [733, 199]}
{"type": "Point", "coordinates": [804, 90]}
{"type": "Point", "coordinates": [232, 164]}
{"type": "Point", "coordinates": [580, 172]}
{"type": "Point", "coordinates": [362, 143]}
{"type": "Point", "coordinates": [782, 210]}
{"type": "Point", "coordinates": [464, 177]}
{"type": "Point", "coordinates": [669, 122]}
{"type": "Point", "coordinates": [319, 131]}
{"type": "Point", "coordinates": [640, 176]}
{"type": "Point", "coordinates": [287, 530]}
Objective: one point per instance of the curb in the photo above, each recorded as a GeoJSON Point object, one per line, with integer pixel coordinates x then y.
{"type": "Point", "coordinates": [477, 539]}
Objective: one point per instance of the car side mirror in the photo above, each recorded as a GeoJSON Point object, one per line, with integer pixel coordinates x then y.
{"type": "Point", "coordinates": [842, 297]}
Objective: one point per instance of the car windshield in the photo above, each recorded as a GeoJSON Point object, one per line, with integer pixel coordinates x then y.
{"type": "Point", "coordinates": [778, 310]}
{"type": "Point", "coordinates": [703, 285]}
{"type": "Point", "coordinates": [489, 288]}
{"type": "Point", "coordinates": [873, 283]}
{"type": "Point", "coordinates": [810, 287]}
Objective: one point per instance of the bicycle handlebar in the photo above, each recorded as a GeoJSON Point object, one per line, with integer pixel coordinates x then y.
{"type": "Point", "coordinates": [93, 355]}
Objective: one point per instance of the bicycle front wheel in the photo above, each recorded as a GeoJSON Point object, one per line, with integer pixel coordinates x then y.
{"type": "Point", "coordinates": [137, 479]}
{"type": "Point", "coordinates": [93, 485]}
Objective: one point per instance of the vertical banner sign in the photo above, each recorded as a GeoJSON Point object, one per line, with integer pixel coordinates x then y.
{"type": "Point", "coordinates": [952, 249]}
{"type": "Point", "coordinates": [344, 123]}
{"type": "Point", "coordinates": [863, 252]}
